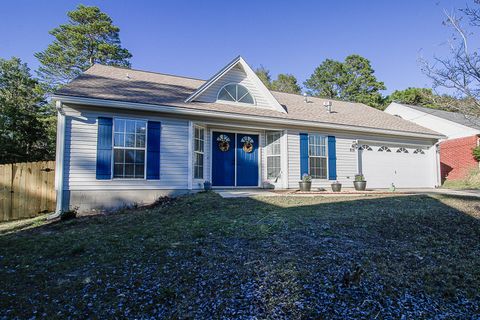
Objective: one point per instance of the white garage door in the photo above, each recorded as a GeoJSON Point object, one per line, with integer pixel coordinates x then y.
{"type": "Point", "coordinates": [405, 167]}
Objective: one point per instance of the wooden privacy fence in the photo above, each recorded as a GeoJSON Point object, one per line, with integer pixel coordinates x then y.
{"type": "Point", "coordinates": [26, 189]}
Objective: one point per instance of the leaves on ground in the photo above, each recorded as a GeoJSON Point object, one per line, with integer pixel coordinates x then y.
{"type": "Point", "coordinates": [203, 256]}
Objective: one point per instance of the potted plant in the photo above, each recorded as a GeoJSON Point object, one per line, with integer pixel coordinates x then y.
{"type": "Point", "coordinates": [336, 186]}
{"type": "Point", "coordinates": [360, 183]}
{"type": "Point", "coordinates": [268, 185]}
{"type": "Point", "coordinates": [306, 183]}
{"type": "Point", "coordinates": [207, 185]}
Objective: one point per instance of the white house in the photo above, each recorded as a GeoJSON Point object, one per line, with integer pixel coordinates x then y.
{"type": "Point", "coordinates": [462, 134]}
{"type": "Point", "coordinates": [131, 136]}
{"type": "Point", "coordinates": [451, 124]}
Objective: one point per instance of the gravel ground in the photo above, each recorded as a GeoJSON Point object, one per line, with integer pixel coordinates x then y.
{"type": "Point", "coordinates": [202, 257]}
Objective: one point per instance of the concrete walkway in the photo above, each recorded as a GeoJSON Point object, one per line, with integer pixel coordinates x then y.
{"type": "Point", "coordinates": [246, 193]}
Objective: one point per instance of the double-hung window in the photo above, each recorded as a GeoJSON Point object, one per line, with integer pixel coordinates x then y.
{"type": "Point", "coordinates": [273, 154]}
{"type": "Point", "coordinates": [317, 156]}
{"type": "Point", "coordinates": [198, 152]}
{"type": "Point", "coordinates": [129, 148]}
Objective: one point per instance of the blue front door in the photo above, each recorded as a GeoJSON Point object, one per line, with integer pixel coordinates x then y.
{"type": "Point", "coordinates": [234, 155]}
{"type": "Point", "coordinates": [247, 160]}
{"type": "Point", "coordinates": [223, 159]}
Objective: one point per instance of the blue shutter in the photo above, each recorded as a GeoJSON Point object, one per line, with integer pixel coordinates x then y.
{"type": "Point", "coordinates": [104, 148]}
{"type": "Point", "coordinates": [332, 158]}
{"type": "Point", "coordinates": [303, 154]}
{"type": "Point", "coordinates": [153, 150]}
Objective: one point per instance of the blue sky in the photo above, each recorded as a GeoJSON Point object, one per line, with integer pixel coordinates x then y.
{"type": "Point", "coordinates": [196, 38]}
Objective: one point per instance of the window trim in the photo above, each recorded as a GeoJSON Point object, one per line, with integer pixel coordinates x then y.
{"type": "Point", "coordinates": [129, 148]}
{"type": "Point", "coordinates": [402, 150]}
{"type": "Point", "coordinates": [365, 147]}
{"type": "Point", "coordinates": [195, 126]}
{"type": "Point", "coordinates": [279, 155]}
{"type": "Point", "coordinates": [237, 102]}
{"type": "Point", "coordinates": [326, 156]}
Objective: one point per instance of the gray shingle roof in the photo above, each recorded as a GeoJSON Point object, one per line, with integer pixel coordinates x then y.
{"type": "Point", "coordinates": [113, 83]}
{"type": "Point", "coordinates": [468, 121]}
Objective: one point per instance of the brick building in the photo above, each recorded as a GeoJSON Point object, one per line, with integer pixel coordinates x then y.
{"type": "Point", "coordinates": [456, 159]}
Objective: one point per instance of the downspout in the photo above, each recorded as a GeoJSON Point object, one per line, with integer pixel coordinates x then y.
{"type": "Point", "coordinates": [437, 165]}
{"type": "Point", "coordinates": [59, 159]}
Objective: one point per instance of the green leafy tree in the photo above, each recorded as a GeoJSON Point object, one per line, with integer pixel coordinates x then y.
{"type": "Point", "coordinates": [89, 37]}
{"type": "Point", "coordinates": [286, 83]}
{"type": "Point", "coordinates": [413, 96]}
{"type": "Point", "coordinates": [425, 97]}
{"type": "Point", "coordinates": [264, 75]}
{"type": "Point", "coordinates": [351, 80]}
{"type": "Point", "coordinates": [26, 132]}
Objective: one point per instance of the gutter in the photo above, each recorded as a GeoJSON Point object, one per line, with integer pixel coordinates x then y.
{"type": "Point", "coordinates": [59, 160]}
{"type": "Point", "coordinates": [231, 116]}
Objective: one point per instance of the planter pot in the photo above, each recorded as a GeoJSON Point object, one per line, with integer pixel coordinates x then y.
{"type": "Point", "coordinates": [360, 185]}
{"type": "Point", "coordinates": [268, 185]}
{"type": "Point", "coordinates": [336, 187]}
{"type": "Point", "coordinates": [207, 186]}
{"type": "Point", "coordinates": [305, 186]}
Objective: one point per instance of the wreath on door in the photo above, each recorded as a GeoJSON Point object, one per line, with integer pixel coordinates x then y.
{"type": "Point", "coordinates": [223, 142]}
{"type": "Point", "coordinates": [247, 144]}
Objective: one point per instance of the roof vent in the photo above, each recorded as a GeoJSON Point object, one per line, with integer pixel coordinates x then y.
{"type": "Point", "coordinates": [328, 106]}
{"type": "Point", "coordinates": [305, 97]}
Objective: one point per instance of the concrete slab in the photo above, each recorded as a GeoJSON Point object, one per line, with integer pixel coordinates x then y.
{"type": "Point", "coordinates": [246, 193]}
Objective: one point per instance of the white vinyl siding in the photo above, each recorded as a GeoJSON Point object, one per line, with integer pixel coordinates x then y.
{"type": "Point", "coordinates": [235, 75]}
{"type": "Point", "coordinates": [81, 146]}
{"type": "Point", "coordinates": [347, 159]}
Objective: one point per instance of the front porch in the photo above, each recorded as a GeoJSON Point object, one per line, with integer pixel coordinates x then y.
{"type": "Point", "coordinates": [238, 156]}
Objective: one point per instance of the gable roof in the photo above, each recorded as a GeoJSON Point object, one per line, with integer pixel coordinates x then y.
{"type": "Point", "coordinates": [457, 117]}
{"type": "Point", "coordinates": [249, 72]}
{"type": "Point", "coordinates": [115, 85]}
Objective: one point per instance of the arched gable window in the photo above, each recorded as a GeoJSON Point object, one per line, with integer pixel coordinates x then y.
{"type": "Point", "coordinates": [402, 150]}
{"type": "Point", "coordinates": [365, 147]}
{"type": "Point", "coordinates": [235, 92]}
{"type": "Point", "coordinates": [384, 149]}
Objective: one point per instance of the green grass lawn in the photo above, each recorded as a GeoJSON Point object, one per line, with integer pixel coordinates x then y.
{"type": "Point", "coordinates": [278, 257]}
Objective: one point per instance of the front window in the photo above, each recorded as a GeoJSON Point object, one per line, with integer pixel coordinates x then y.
{"type": "Point", "coordinates": [235, 93]}
{"type": "Point", "coordinates": [273, 154]}
{"type": "Point", "coordinates": [317, 156]}
{"type": "Point", "coordinates": [129, 148]}
{"type": "Point", "coordinates": [198, 152]}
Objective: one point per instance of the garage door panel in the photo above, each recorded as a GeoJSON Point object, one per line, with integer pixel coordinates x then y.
{"type": "Point", "coordinates": [404, 170]}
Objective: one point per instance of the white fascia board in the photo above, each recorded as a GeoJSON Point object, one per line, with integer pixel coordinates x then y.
{"type": "Point", "coordinates": [233, 116]}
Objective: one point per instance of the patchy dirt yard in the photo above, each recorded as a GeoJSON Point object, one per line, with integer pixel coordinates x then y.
{"type": "Point", "coordinates": [201, 256]}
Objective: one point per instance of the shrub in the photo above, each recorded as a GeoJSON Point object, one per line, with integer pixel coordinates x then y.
{"type": "Point", "coordinates": [471, 181]}
{"type": "Point", "coordinates": [306, 177]}
{"type": "Point", "coordinates": [476, 153]}
{"type": "Point", "coordinates": [359, 177]}
{"type": "Point", "coordinates": [70, 214]}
